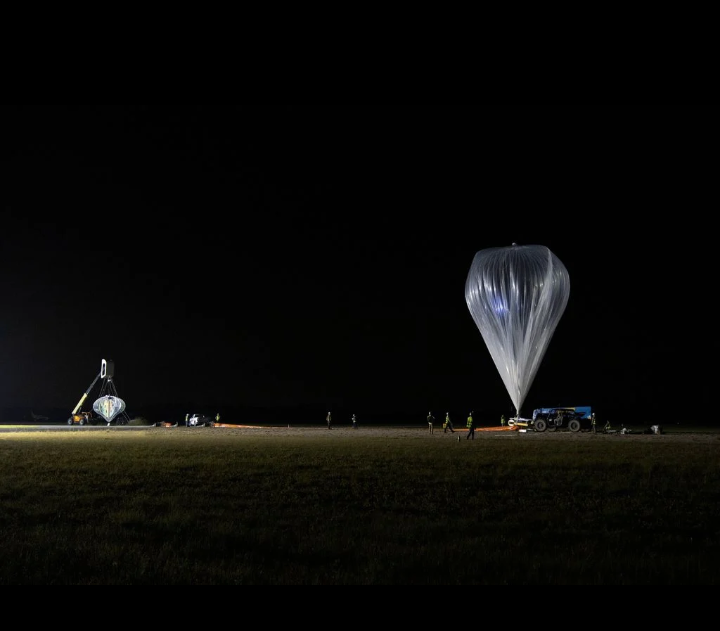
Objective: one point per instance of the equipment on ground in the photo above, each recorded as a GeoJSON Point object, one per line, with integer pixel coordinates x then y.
{"type": "Point", "coordinates": [80, 417]}
{"type": "Point", "coordinates": [108, 393]}
{"type": "Point", "coordinates": [572, 418]}
{"type": "Point", "coordinates": [520, 422]}
{"type": "Point", "coordinates": [200, 420]}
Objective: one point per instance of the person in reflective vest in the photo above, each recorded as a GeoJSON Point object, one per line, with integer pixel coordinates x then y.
{"type": "Point", "coordinates": [471, 427]}
{"type": "Point", "coordinates": [502, 421]}
{"type": "Point", "coordinates": [447, 425]}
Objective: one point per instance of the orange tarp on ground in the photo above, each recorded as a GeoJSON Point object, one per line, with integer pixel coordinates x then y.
{"type": "Point", "coordinates": [237, 426]}
{"type": "Point", "coordinates": [461, 429]}
{"type": "Point", "coordinates": [173, 425]}
{"type": "Point", "coordinates": [490, 429]}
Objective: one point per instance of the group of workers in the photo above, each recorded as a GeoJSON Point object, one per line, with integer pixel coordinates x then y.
{"type": "Point", "coordinates": [449, 427]}
{"type": "Point", "coordinates": [329, 421]}
{"type": "Point", "coordinates": [447, 424]}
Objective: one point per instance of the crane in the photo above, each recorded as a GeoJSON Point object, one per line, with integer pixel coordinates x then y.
{"type": "Point", "coordinates": [84, 417]}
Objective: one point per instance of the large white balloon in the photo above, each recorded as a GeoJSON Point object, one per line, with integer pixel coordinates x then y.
{"type": "Point", "coordinates": [109, 407]}
{"type": "Point", "coordinates": [516, 296]}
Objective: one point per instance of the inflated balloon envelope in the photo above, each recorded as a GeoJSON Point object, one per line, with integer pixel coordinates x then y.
{"type": "Point", "coordinates": [516, 296]}
{"type": "Point", "coordinates": [109, 407]}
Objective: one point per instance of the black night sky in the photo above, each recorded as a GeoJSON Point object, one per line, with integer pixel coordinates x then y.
{"type": "Point", "coordinates": [285, 258]}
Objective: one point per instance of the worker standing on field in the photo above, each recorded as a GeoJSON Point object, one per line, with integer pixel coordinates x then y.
{"type": "Point", "coordinates": [328, 419]}
{"type": "Point", "coordinates": [594, 424]}
{"type": "Point", "coordinates": [431, 421]}
{"type": "Point", "coordinates": [448, 424]}
{"type": "Point", "coordinates": [502, 421]}
{"type": "Point", "coordinates": [217, 418]}
{"type": "Point", "coordinates": [471, 427]}
{"type": "Point", "coordinates": [187, 419]}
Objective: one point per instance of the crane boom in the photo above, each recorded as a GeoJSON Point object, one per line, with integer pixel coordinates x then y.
{"type": "Point", "coordinates": [85, 396]}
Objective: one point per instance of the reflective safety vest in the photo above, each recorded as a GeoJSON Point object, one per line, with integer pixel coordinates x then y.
{"type": "Point", "coordinates": [470, 422]}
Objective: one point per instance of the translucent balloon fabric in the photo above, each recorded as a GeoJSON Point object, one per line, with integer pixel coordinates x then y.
{"type": "Point", "coordinates": [516, 296]}
{"type": "Point", "coordinates": [109, 407]}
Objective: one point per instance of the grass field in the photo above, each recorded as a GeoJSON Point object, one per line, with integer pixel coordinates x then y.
{"type": "Point", "coordinates": [391, 506]}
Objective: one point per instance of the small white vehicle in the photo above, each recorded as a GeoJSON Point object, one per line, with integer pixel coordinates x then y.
{"type": "Point", "coordinates": [200, 420]}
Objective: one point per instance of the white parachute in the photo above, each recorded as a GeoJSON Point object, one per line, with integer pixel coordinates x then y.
{"type": "Point", "coordinates": [516, 296]}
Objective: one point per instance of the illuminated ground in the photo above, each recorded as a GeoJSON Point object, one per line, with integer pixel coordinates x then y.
{"type": "Point", "coordinates": [673, 434]}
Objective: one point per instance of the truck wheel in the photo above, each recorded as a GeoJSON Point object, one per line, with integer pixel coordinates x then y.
{"type": "Point", "coordinates": [70, 421]}
{"type": "Point", "coordinates": [574, 426]}
{"type": "Point", "coordinates": [83, 422]}
{"type": "Point", "coordinates": [540, 426]}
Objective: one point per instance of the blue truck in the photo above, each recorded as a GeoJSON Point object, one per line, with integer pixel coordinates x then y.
{"type": "Point", "coordinates": [571, 418]}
